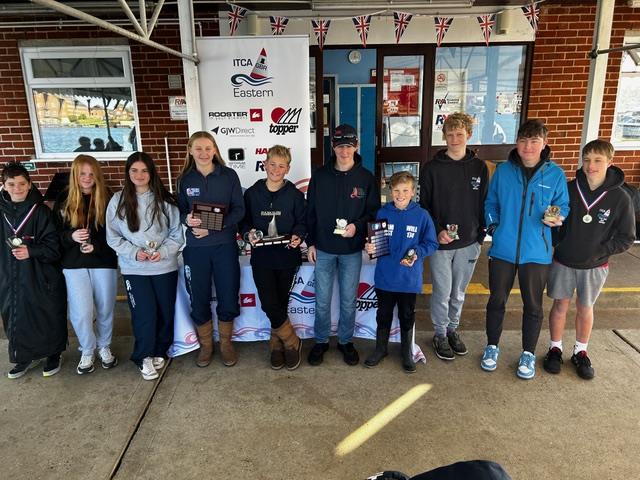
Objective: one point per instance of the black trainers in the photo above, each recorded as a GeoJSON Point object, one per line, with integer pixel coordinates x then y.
{"type": "Point", "coordinates": [553, 360]}
{"type": "Point", "coordinates": [349, 353]}
{"type": "Point", "coordinates": [316, 355]}
{"type": "Point", "coordinates": [583, 365]}
{"type": "Point", "coordinates": [52, 365]}
{"type": "Point", "coordinates": [442, 348]}
{"type": "Point", "coordinates": [456, 343]}
{"type": "Point", "coordinates": [21, 368]}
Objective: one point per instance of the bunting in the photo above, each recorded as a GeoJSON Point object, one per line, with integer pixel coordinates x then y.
{"type": "Point", "coordinates": [532, 12]}
{"type": "Point", "coordinates": [401, 22]}
{"type": "Point", "coordinates": [442, 27]}
{"type": "Point", "coordinates": [278, 25]}
{"type": "Point", "coordinates": [236, 15]}
{"type": "Point", "coordinates": [362, 23]}
{"type": "Point", "coordinates": [321, 28]}
{"type": "Point", "coordinates": [487, 22]}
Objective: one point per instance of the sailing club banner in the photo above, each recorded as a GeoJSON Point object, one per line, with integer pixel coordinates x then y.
{"type": "Point", "coordinates": [254, 94]}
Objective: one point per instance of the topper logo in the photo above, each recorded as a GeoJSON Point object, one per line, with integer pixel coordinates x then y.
{"type": "Point", "coordinates": [367, 298]}
{"type": "Point", "coordinates": [284, 121]}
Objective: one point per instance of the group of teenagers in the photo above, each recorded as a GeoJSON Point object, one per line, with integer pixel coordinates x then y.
{"type": "Point", "coordinates": [549, 233]}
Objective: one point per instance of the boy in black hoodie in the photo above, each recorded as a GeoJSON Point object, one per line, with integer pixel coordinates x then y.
{"type": "Point", "coordinates": [453, 190]}
{"type": "Point", "coordinates": [600, 224]}
{"type": "Point", "coordinates": [342, 198]}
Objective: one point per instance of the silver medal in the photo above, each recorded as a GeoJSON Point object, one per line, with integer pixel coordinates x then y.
{"type": "Point", "coordinates": [587, 218]}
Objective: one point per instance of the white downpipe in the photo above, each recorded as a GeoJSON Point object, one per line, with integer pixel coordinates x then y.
{"type": "Point", "coordinates": [166, 154]}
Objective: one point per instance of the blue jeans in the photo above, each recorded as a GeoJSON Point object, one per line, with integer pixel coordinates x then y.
{"type": "Point", "coordinates": [348, 267]}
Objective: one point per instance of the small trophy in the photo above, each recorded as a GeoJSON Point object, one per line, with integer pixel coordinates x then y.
{"type": "Point", "coordinates": [211, 214]}
{"type": "Point", "coordinates": [552, 213]}
{"type": "Point", "coordinates": [341, 226]}
{"type": "Point", "coordinates": [379, 236]}
{"type": "Point", "coordinates": [452, 231]}
{"type": "Point", "coordinates": [409, 254]}
{"type": "Point", "coordinates": [84, 246]}
{"type": "Point", "coordinates": [14, 242]}
{"type": "Point", "coordinates": [252, 237]}
{"type": "Point", "coordinates": [151, 247]}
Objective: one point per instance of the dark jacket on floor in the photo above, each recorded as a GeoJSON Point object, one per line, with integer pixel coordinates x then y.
{"type": "Point", "coordinates": [453, 192]}
{"type": "Point", "coordinates": [32, 291]}
{"type": "Point", "coordinates": [612, 228]}
{"type": "Point", "coordinates": [352, 195]}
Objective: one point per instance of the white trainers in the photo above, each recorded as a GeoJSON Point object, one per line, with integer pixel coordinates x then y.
{"type": "Point", "coordinates": [147, 369]}
{"type": "Point", "coordinates": [158, 363]}
{"type": "Point", "coordinates": [85, 365]}
{"type": "Point", "coordinates": [107, 358]}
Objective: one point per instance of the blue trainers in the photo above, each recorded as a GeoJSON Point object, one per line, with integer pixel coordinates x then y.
{"type": "Point", "coordinates": [526, 366]}
{"type": "Point", "coordinates": [490, 358]}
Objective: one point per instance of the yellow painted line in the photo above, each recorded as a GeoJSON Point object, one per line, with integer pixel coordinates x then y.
{"type": "Point", "coordinates": [380, 420]}
{"type": "Point", "coordinates": [480, 289]}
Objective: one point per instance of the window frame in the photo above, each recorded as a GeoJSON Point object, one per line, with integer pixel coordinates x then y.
{"type": "Point", "coordinates": [630, 38]}
{"type": "Point", "coordinates": [28, 53]}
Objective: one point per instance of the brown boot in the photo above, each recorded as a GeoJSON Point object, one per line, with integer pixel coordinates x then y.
{"type": "Point", "coordinates": [205, 337]}
{"type": "Point", "coordinates": [292, 345]}
{"type": "Point", "coordinates": [277, 351]}
{"type": "Point", "coordinates": [229, 356]}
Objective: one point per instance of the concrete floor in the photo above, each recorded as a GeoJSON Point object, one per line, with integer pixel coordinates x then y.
{"type": "Point", "coordinates": [250, 422]}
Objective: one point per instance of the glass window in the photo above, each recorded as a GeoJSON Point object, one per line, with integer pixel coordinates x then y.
{"type": "Point", "coordinates": [626, 125]}
{"type": "Point", "coordinates": [312, 99]}
{"type": "Point", "coordinates": [402, 100]}
{"type": "Point", "coordinates": [486, 83]}
{"type": "Point", "coordinates": [81, 99]}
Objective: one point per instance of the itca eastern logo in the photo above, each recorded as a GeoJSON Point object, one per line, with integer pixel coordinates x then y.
{"type": "Point", "coordinates": [243, 84]}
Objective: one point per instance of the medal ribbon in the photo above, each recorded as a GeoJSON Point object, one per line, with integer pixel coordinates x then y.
{"type": "Point", "coordinates": [24, 221]}
{"type": "Point", "coordinates": [584, 200]}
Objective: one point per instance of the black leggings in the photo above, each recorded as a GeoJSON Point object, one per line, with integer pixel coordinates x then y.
{"type": "Point", "coordinates": [273, 289]}
{"type": "Point", "coordinates": [532, 278]}
{"type": "Point", "coordinates": [406, 309]}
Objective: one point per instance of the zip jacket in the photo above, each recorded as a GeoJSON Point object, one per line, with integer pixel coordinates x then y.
{"type": "Point", "coordinates": [453, 192]}
{"type": "Point", "coordinates": [612, 227]}
{"type": "Point", "coordinates": [411, 228]}
{"type": "Point", "coordinates": [352, 195]}
{"type": "Point", "coordinates": [515, 207]}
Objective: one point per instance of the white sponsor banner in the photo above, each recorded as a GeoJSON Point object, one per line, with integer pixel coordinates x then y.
{"type": "Point", "coordinates": [253, 325]}
{"type": "Point", "coordinates": [254, 93]}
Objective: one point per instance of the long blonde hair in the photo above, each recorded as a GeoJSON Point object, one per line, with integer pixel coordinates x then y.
{"type": "Point", "coordinates": [74, 209]}
{"type": "Point", "coordinates": [189, 162]}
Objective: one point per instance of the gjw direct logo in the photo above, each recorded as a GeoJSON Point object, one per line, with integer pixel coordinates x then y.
{"type": "Point", "coordinates": [284, 121]}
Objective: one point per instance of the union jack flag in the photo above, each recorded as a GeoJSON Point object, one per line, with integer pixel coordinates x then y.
{"type": "Point", "coordinates": [532, 12]}
{"type": "Point", "coordinates": [362, 23]}
{"type": "Point", "coordinates": [278, 24]}
{"type": "Point", "coordinates": [236, 15]}
{"type": "Point", "coordinates": [321, 28]}
{"type": "Point", "coordinates": [442, 27]}
{"type": "Point", "coordinates": [401, 22]}
{"type": "Point", "coordinates": [487, 22]}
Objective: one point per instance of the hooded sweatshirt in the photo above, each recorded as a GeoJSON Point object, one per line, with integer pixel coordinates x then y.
{"type": "Point", "coordinates": [515, 206]}
{"type": "Point", "coordinates": [410, 228]}
{"type": "Point", "coordinates": [453, 192]}
{"type": "Point", "coordinates": [168, 234]}
{"type": "Point", "coordinates": [288, 206]}
{"type": "Point", "coordinates": [352, 195]}
{"type": "Point", "coordinates": [611, 230]}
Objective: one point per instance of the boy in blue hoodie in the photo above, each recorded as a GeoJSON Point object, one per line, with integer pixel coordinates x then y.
{"type": "Point", "coordinates": [520, 193]}
{"type": "Point", "coordinates": [398, 276]}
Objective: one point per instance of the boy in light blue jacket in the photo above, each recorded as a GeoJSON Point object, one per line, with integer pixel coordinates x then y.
{"type": "Point", "coordinates": [519, 219]}
{"type": "Point", "coordinates": [398, 276]}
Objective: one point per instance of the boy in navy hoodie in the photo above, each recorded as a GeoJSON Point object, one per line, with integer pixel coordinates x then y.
{"type": "Point", "coordinates": [601, 224]}
{"type": "Point", "coordinates": [520, 194]}
{"type": "Point", "coordinates": [453, 190]}
{"type": "Point", "coordinates": [398, 276]}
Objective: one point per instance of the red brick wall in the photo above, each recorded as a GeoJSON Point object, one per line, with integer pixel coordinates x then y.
{"type": "Point", "coordinates": [150, 70]}
{"type": "Point", "coordinates": [561, 73]}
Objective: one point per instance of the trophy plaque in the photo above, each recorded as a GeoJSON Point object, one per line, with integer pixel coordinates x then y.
{"type": "Point", "coordinates": [14, 242]}
{"type": "Point", "coordinates": [272, 238]}
{"type": "Point", "coordinates": [552, 213]}
{"type": "Point", "coordinates": [211, 214]}
{"type": "Point", "coordinates": [409, 254]}
{"type": "Point", "coordinates": [379, 236]}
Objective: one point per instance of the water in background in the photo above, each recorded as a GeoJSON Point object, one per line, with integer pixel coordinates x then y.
{"type": "Point", "coordinates": [63, 140]}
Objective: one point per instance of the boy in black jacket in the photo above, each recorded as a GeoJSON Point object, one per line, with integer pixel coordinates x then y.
{"type": "Point", "coordinates": [600, 224]}
{"type": "Point", "coordinates": [453, 190]}
{"type": "Point", "coordinates": [342, 198]}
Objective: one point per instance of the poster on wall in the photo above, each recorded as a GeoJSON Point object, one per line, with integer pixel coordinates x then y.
{"type": "Point", "coordinates": [449, 93]}
{"type": "Point", "coordinates": [254, 96]}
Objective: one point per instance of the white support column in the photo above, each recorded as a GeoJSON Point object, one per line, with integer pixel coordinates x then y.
{"type": "Point", "coordinates": [597, 72]}
{"type": "Point", "coordinates": [190, 69]}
